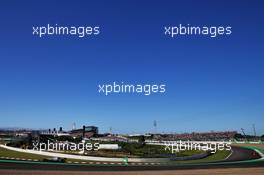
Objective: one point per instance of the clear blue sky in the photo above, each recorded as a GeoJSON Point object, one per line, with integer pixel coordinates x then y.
{"type": "Point", "coordinates": [212, 84]}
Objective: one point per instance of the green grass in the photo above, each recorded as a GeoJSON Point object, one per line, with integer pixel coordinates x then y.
{"type": "Point", "coordinates": [218, 156]}
{"type": "Point", "coordinates": [16, 154]}
{"type": "Point", "coordinates": [141, 151]}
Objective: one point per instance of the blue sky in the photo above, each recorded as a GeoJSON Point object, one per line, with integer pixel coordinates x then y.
{"type": "Point", "coordinates": [211, 84]}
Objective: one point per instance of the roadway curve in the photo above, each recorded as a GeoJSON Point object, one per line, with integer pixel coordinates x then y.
{"type": "Point", "coordinates": [239, 158]}
{"type": "Point", "coordinates": [71, 167]}
{"type": "Point", "coordinates": [241, 153]}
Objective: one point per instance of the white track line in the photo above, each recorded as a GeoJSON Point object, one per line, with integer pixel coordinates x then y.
{"type": "Point", "coordinates": [93, 163]}
{"type": "Point", "coordinates": [231, 152]}
{"type": "Point", "coordinates": [260, 153]}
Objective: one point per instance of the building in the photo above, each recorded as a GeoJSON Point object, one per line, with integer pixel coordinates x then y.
{"type": "Point", "coordinates": [54, 132]}
{"type": "Point", "coordinates": [85, 132]}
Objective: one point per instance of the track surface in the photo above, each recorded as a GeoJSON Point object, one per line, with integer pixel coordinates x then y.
{"type": "Point", "coordinates": [239, 154]}
{"type": "Point", "coordinates": [225, 171]}
{"type": "Point", "coordinates": [61, 167]}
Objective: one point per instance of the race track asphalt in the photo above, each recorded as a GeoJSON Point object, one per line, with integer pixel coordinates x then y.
{"type": "Point", "coordinates": [241, 157]}
{"type": "Point", "coordinates": [241, 153]}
